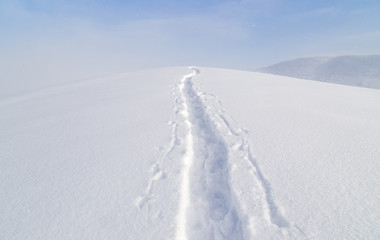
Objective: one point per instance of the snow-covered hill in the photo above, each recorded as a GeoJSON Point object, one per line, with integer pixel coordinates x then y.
{"type": "Point", "coordinates": [362, 71]}
{"type": "Point", "coordinates": [201, 153]}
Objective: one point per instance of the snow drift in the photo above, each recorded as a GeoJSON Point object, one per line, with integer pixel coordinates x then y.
{"type": "Point", "coordinates": [201, 153]}
{"type": "Point", "coordinates": [362, 71]}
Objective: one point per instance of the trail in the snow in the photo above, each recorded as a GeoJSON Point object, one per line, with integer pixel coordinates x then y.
{"type": "Point", "coordinates": [210, 172]}
{"type": "Point", "coordinates": [224, 193]}
{"type": "Point", "coordinates": [207, 208]}
{"type": "Point", "coordinates": [187, 162]}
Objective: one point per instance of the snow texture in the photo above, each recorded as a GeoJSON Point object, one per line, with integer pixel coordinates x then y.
{"type": "Point", "coordinates": [154, 154]}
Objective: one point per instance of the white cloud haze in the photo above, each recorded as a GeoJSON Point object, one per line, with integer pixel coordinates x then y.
{"type": "Point", "coordinates": [48, 42]}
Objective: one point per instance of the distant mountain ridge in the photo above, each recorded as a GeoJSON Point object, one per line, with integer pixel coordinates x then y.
{"type": "Point", "coordinates": [359, 70]}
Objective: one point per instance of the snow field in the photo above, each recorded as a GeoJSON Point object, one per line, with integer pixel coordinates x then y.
{"type": "Point", "coordinates": [74, 159]}
{"type": "Point", "coordinates": [154, 155]}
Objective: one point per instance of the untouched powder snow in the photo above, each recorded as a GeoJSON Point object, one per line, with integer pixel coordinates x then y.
{"type": "Point", "coordinates": [74, 158]}
{"type": "Point", "coordinates": [155, 155]}
{"type": "Point", "coordinates": [362, 71]}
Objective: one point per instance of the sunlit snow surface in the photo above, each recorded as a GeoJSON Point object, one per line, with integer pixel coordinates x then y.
{"type": "Point", "coordinates": [191, 153]}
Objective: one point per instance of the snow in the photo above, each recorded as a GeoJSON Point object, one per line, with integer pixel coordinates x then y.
{"type": "Point", "coordinates": [360, 70]}
{"type": "Point", "coordinates": [199, 153]}
{"type": "Point", "coordinates": [75, 157]}
{"type": "Point", "coordinates": [316, 143]}
{"type": "Point", "coordinates": [207, 210]}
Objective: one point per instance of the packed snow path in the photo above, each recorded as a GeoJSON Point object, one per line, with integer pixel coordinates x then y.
{"type": "Point", "coordinates": [208, 169]}
{"type": "Point", "coordinates": [206, 209]}
{"type": "Point", "coordinates": [224, 194]}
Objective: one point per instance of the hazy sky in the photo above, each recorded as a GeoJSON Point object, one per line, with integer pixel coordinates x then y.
{"type": "Point", "coordinates": [44, 42]}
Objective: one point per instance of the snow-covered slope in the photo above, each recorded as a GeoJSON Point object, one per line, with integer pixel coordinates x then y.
{"type": "Point", "coordinates": [362, 71]}
{"type": "Point", "coordinates": [154, 155]}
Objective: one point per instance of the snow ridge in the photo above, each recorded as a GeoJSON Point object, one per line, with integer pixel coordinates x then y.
{"type": "Point", "coordinates": [359, 70]}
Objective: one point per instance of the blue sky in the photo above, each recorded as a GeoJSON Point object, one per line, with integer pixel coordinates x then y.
{"type": "Point", "coordinates": [54, 40]}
